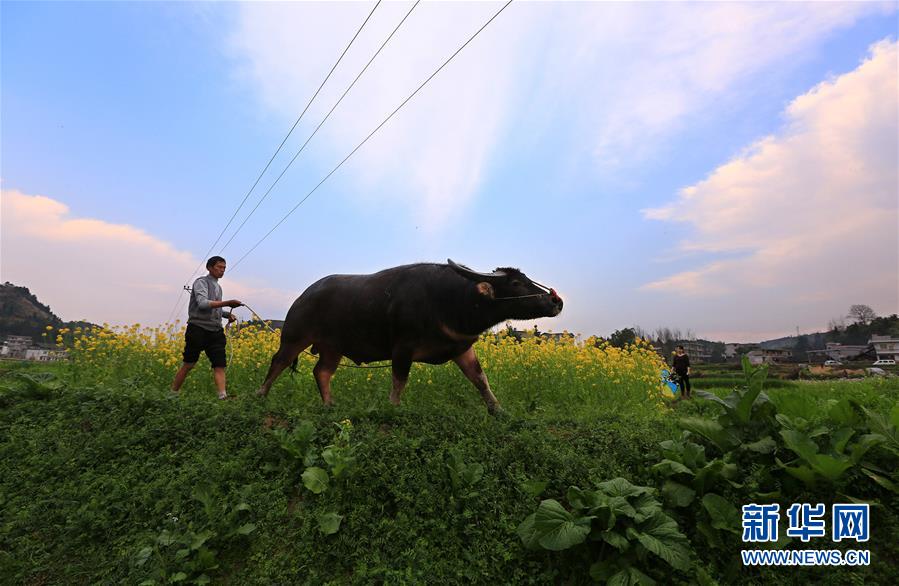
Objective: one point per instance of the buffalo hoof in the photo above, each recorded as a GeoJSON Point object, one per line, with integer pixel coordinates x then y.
{"type": "Point", "coordinates": [261, 393]}
{"type": "Point", "coordinates": [495, 410]}
{"type": "Point", "coordinates": [503, 417]}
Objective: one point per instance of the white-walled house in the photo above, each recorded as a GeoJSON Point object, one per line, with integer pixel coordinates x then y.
{"type": "Point", "coordinates": [16, 346]}
{"type": "Point", "coordinates": [23, 348]}
{"type": "Point", "coordinates": [886, 347]}
{"type": "Point", "coordinates": [38, 354]}
{"type": "Point", "coordinates": [45, 354]}
{"type": "Point", "coordinates": [838, 352]}
{"type": "Point", "coordinates": [769, 356]}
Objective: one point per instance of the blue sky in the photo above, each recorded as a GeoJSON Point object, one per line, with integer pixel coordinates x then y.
{"type": "Point", "coordinates": [725, 168]}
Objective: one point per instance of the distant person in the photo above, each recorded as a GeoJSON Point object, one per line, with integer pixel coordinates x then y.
{"type": "Point", "coordinates": [204, 326]}
{"type": "Point", "coordinates": [681, 366]}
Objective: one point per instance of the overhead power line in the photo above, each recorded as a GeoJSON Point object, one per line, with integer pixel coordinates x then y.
{"type": "Point", "coordinates": [404, 102]}
{"type": "Point", "coordinates": [278, 150]}
{"type": "Point", "coordinates": [314, 132]}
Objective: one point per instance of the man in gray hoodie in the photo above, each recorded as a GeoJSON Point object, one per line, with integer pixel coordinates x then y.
{"type": "Point", "coordinates": [204, 326]}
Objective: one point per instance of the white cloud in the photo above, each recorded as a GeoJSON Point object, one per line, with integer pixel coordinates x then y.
{"type": "Point", "coordinates": [809, 215]}
{"type": "Point", "coordinates": [86, 268]}
{"type": "Point", "coordinates": [434, 151]}
{"type": "Point", "coordinates": [645, 71]}
{"type": "Point", "coordinates": [620, 79]}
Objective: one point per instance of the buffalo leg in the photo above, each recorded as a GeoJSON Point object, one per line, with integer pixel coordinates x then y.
{"type": "Point", "coordinates": [400, 368]}
{"type": "Point", "coordinates": [470, 366]}
{"type": "Point", "coordinates": [323, 371]}
{"type": "Point", "coordinates": [285, 355]}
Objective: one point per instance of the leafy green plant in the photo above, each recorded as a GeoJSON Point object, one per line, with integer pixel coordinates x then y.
{"type": "Point", "coordinates": [689, 476]}
{"type": "Point", "coordinates": [746, 417]}
{"type": "Point", "coordinates": [296, 444]}
{"type": "Point", "coordinates": [743, 440]}
{"type": "Point", "coordinates": [316, 479]}
{"type": "Point", "coordinates": [533, 488]}
{"type": "Point", "coordinates": [689, 471]}
{"type": "Point", "coordinates": [227, 519]}
{"type": "Point", "coordinates": [621, 523]}
{"type": "Point", "coordinates": [825, 452]}
{"type": "Point", "coordinates": [38, 385]}
{"type": "Point", "coordinates": [185, 552]}
{"type": "Point", "coordinates": [744, 436]}
{"type": "Point", "coordinates": [329, 523]}
{"type": "Point", "coordinates": [463, 476]}
{"type": "Point", "coordinates": [191, 562]}
{"type": "Point", "coordinates": [887, 429]}
{"type": "Point", "coordinates": [758, 452]}
{"type": "Point", "coordinates": [341, 455]}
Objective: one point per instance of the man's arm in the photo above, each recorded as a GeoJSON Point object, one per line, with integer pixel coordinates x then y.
{"type": "Point", "coordinates": [228, 303]}
{"type": "Point", "coordinates": [203, 301]}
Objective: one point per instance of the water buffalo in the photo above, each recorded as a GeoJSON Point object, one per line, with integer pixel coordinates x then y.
{"type": "Point", "coordinates": [424, 312]}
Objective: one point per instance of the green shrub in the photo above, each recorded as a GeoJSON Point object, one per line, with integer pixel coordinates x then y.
{"type": "Point", "coordinates": [621, 524]}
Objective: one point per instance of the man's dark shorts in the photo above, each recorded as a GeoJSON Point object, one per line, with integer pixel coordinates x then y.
{"type": "Point", "coordinates": [197, 340]}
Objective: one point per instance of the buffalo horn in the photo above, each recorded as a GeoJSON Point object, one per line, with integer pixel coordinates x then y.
{"type": "Point", "coordinates": [474, 275]}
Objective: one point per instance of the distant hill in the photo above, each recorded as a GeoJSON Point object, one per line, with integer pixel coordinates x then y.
{"type": "Point", "coordinates": [22, 314]}
{"type": "Point", "coordinates": [857, 333]}
{"type": "Point", "coordinates": [815, 340]}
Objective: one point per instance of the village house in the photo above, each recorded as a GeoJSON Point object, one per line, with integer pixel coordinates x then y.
{"type": "Point", "coordinates": [45, 354]}
{"type": "Point", "coordinates": [23, 348]}
{"type": "Point", "coordinates": [16, 346]}
{"type": "Point", "coordinates": [886, 347]}
{"type": "Point", "coordinates": [555, 336]}
{"type": "Point", "coordinates": [732, 351]}
{"type": "Point", "coordinates": [839, 352]}
{"type": "Point", "coordinates": [37, 354]}
{"type": "Point", "coordinates": [769, 356]}
{"type": "Point", "coordinates": [698, 350]}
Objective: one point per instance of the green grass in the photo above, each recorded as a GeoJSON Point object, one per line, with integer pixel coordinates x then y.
{"type": "Point", "coordinates": [91, 476]}
{"type": "Point", "coordinates": [810, 399]}
{"type": "Point", "coordinates": [722, 382]}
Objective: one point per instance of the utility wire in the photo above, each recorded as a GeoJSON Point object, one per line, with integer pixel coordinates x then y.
{"type": "Point", "coordinates": [281, 221]}
{"type": "Point", "coordinates": [328, 115]}
{"type": "Point", "coordinates": [267, 165]}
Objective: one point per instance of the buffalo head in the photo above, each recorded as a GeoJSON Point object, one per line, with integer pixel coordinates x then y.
{"type": "Point", "coordinates": [512, 293]}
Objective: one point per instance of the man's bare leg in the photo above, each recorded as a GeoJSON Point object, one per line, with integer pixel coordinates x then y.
{"type": "Point", "coordinates": [181, 375]}
{"type": "Point", "coordinates": [218, 375]}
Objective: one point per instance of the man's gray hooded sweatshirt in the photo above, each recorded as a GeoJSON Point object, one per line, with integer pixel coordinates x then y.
{"type": "Point", "coordinates": [199, 313]}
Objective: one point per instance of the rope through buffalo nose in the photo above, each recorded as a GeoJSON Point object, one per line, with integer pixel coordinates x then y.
{"type": "Point", "coordinates": [552, 292]}
{"type": "Point", "coordinates": [547, 291]}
